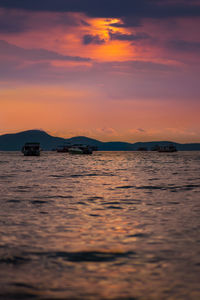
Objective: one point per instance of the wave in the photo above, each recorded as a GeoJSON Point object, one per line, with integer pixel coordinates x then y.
{"type": "Point", "coordinates": [79, 256]}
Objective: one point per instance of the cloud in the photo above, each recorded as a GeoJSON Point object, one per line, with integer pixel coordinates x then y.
{"type": "Point", "coordinates": [141, 130]}
{"type": "Point", "coordinates": [131, 66]}
{"type": "Point", "coordinates": [106, 131]}
{"type": "Point", "coordinates": [12, 22]}
{"type": "Point", "coordinates": [151, 66]}
{"type": "Point", "coordinates": [127, 22]}
{"type": "Point", "coordinates": [7, 49]}
{"type": "Point", "coordinates": [20, 21]}
{"type": "Point", "coordinates": [92, 39]}
{"type": "Point", "coordinates": [127, 37]}
{"type": "Point", "coordinates": [111, 8]}
{"type": "Point", "coordinates": [137, 131]}
{"type": "Point", "coordinates": [101, 76]}
{"type": "Point", "coordinates": [182, 45]}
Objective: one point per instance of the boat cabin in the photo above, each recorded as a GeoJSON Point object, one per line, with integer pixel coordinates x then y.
{"type": "Point", "coordinates": [31, 149]}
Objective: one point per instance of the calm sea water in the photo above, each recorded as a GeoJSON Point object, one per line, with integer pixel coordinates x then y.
{"type": "Point", "coordinates": [114, 225]}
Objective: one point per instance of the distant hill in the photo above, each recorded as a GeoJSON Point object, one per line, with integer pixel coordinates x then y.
{"type": "Point", "coordinates": [83, 140]}
{"type": "Point", "coordinates": [15, 141]}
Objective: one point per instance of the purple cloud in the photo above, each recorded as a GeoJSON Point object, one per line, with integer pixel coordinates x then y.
{"type": "Point", "coordinates": [92, 39]}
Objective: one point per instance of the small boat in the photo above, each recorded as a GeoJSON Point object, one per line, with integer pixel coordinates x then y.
{"type": "Point", "coordinates": [155, 148]}
{"type": "Point", "coordinates": [63, 148]}
{"type": "Point", "coordinates": [80, 149]}
{"type": "Point", "coordinates": [31, 149]}
{"type": "Point", "coordinates": [75, 150]}
{"type": "Point", "coordinates": [142, 149]}
{"type": "Point", "coordinates": [168, 148]}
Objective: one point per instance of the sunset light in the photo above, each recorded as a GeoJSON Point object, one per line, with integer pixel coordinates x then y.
{"type": "Point", "coordinates": [99, 149]}
{"type": "Point", "coordinates": [103, 59]}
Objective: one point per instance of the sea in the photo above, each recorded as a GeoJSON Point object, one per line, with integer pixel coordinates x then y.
{"type": "Point", "coordinates": [111, 225]}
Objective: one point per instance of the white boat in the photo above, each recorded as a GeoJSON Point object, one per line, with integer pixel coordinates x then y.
{"type": "Point", "coordinates": [80, 149]}
{"type": "Point", "coordinates": [75, 150]}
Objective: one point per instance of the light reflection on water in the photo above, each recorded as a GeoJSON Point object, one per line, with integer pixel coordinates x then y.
{"type": "Point", "coordinates": [114, 225]}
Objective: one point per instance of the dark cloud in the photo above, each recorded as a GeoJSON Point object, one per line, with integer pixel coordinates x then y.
{"type": "Point", "coordinates": [152, 66]}
{"type": "Point", "coordinates": [127, 22]}
{"type": "Point", "coordinates": [127, 37]}
{"type": "Point", "coordinates": [13, 23]}
{"type": "Point", "coordinates": [7, 49]}
{"type": "Point", "coordinates": [187, 46]}
{"type": "Point", "coordinates": [84, 23]}
{"type": "Point", "coordinates": [132, 66]}
{"type": "Point", "coordinates": [112, 8]}
{"type": "Point", "coordinates": [92, 39]}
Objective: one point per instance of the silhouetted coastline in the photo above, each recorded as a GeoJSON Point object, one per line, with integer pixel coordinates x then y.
{"type": "Point", "coordinates": [14, 142]}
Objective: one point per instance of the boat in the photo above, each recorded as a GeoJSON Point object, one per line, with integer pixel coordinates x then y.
{"type": "Point", "coordinates": [75, 150]}
{"type": "Point", "coordinates": [80, 149]}
{"type": "Point", "coordinates": [167, 148]}
{"type": "Point", "coordinates": [155, 148]}
{"type": "Point", "coordinates": [31, 149]}
{"type": "Point", "coordinates": [142, 149]}
{"type": "Point", "coordinates": [63, 148]}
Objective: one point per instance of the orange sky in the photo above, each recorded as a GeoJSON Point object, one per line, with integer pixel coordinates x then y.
{"type": "Point", "coordinates": [84, 76]}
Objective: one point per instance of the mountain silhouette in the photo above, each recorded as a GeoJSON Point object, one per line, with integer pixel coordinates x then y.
{"type": "Point", "coordinates": [15, 141]}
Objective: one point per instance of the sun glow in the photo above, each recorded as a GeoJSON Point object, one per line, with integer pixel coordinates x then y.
{"type": "Point", "coordinates": [111, 50]}
{"type": "Point", "coordinates": [103, 26]}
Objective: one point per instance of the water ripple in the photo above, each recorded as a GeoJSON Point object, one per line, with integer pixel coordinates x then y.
{"type": "Point", "coordinates": [89, 256]}
{"type": "Point", "coordinates": [116, 225]}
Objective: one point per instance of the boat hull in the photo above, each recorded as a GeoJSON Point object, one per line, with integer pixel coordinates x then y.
{"type": "Point", "coordinates": [80, 151]}
{"type": "Point", "coordinates": [75, 151]}
{"type": "Point", "coordinates": [31, 153]}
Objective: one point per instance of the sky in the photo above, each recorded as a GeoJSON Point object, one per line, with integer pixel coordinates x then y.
{"type": "Point", "coordinates": [114, 70]}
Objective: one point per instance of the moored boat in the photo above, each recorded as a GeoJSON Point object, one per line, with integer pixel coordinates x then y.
{"type": "Point", "coordinates": [75, 150]}
{"type": "Point", "coordinates": [63, 148]}
{"type": "Point", "coordinates": [31, 149]}
{"type": "Point", "coordinates": [155, 148]}
{"type": "Point", "coordinates": [80, 149]}
{"type": "Point", "coordinates": [167, 148]}
{"type": "Point", "coordinates": [142, 149]}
